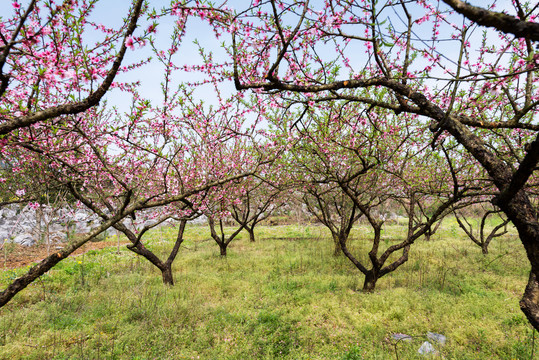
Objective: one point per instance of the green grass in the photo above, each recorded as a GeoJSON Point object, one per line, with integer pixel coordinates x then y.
{"type": "Point", "coordinates": [283, 297]}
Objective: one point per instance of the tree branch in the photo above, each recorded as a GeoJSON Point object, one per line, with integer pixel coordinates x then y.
{"type": "Point", "coordinates": [505, 23]}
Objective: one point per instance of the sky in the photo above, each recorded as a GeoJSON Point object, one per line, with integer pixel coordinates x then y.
{"type": "Point", "coordinates": [112, 13]}
{"type": "Point", "coordinates": [151, 75]}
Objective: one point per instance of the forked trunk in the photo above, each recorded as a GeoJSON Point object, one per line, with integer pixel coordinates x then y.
{"type": "Point", "coordinates": [222, 248]}
{"type": "Point", "coordinates": [484, 249]}
{"type": "Point", "coordinates": [370, 281]}
{"type": "Point", "coordinates": [337, 250]}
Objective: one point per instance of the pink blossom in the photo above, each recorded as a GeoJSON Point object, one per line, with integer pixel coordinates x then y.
{"type": "Point", "coordinates": [152, 28]}
{"type": "Point", "coordinates": [34, 205]}
{"type": "Point", "coordinates": [129, 43]}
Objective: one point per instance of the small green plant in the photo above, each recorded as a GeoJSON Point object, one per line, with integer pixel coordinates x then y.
{"type": "Point", "coordinates": [332, 286]}
{"type": "Point", "coordinates": [354, 353]}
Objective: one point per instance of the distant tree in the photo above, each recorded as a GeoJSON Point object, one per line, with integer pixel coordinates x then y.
{"type": "Point", "coordinates": [217, 210]}
{"type": "Point", "coordinates": [349, 166]}
{"type": "Point", "coordinates": [261, 208]}
{"type": "Point", "coordinates": [219, 234]}
{"type": "Point", "coordinates": [258, 200]}
{"type": "Point", "coordinates": [482, 237]}
{"type": "Point", "coordinates": [137, 246]}
{"type": "Point", "coordinates": [418, 223]}
{"type": "Point", "coordinates": [334, 209]}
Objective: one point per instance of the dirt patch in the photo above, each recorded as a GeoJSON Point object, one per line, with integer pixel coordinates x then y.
{"type": "Point", "coordinates": [18, 255]}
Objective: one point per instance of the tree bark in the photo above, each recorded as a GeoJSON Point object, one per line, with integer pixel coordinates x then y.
{"type": "Point", "coordinates": [518, 209]}
{"type": "Point", "coordinates": [251, 232]}
{"type": "Point", "coordinates": [166, 272]}
{"type": "Point", "coordinates": [371, 277]}
{"type": "Point", "coordinates": [505, 23]}
{"type": "Point", "coordinates": [337, 245]}
{"type": "Point", "coordinates": [222, 249]}
{"type": "Point", "coordinates": [530, 299]}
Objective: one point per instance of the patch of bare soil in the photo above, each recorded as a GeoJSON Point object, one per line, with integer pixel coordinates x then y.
{"type": "Point", "coordinates": [14, 255]}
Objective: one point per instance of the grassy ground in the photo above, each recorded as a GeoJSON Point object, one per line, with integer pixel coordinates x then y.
{"type": "Point", "coordinates": [283, 297]}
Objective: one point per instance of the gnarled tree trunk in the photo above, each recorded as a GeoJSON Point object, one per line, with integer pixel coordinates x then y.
{"type": "Point", "coordinates": [371, 277]}
{"type": "Point", "coordinates": [164, 266]}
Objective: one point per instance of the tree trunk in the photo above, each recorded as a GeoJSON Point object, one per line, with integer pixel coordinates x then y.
{"type": "Point", "coordinates": [523, 216]}
{"type": "Point", "coordinates": [222, 248]}
{"type": "Point", "coordinates": [370, 281]}
{"type": "Point", "coordinates": [530, 299]}
{"type": "Point", "coordinates": [430, 232]}
{"type": "Point", "coordinates": [251, 232]}
{"type": "Point", "coordinates": [484, 248]}
{"type": "Point", "coordinates": [516, 205]}
{"type": "Point", "coordinates": [48, 237]}
{"type": "Point", "coordinates": [337, 245]}
{"type": "Point", "coordinates": [166, 271]}
{"type": "Point", "coordinates": [39, 230]}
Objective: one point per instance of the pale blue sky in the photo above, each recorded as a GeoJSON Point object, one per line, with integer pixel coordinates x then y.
{"type": "Point", "coordinates": [111, 13]}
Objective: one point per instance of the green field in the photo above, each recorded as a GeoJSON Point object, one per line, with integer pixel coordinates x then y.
{"type": "Point", "coordinates": [282, 297]}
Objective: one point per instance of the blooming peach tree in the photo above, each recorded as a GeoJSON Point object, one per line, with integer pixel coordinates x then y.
{"type": "Point", "coordinates": [116, 163]}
